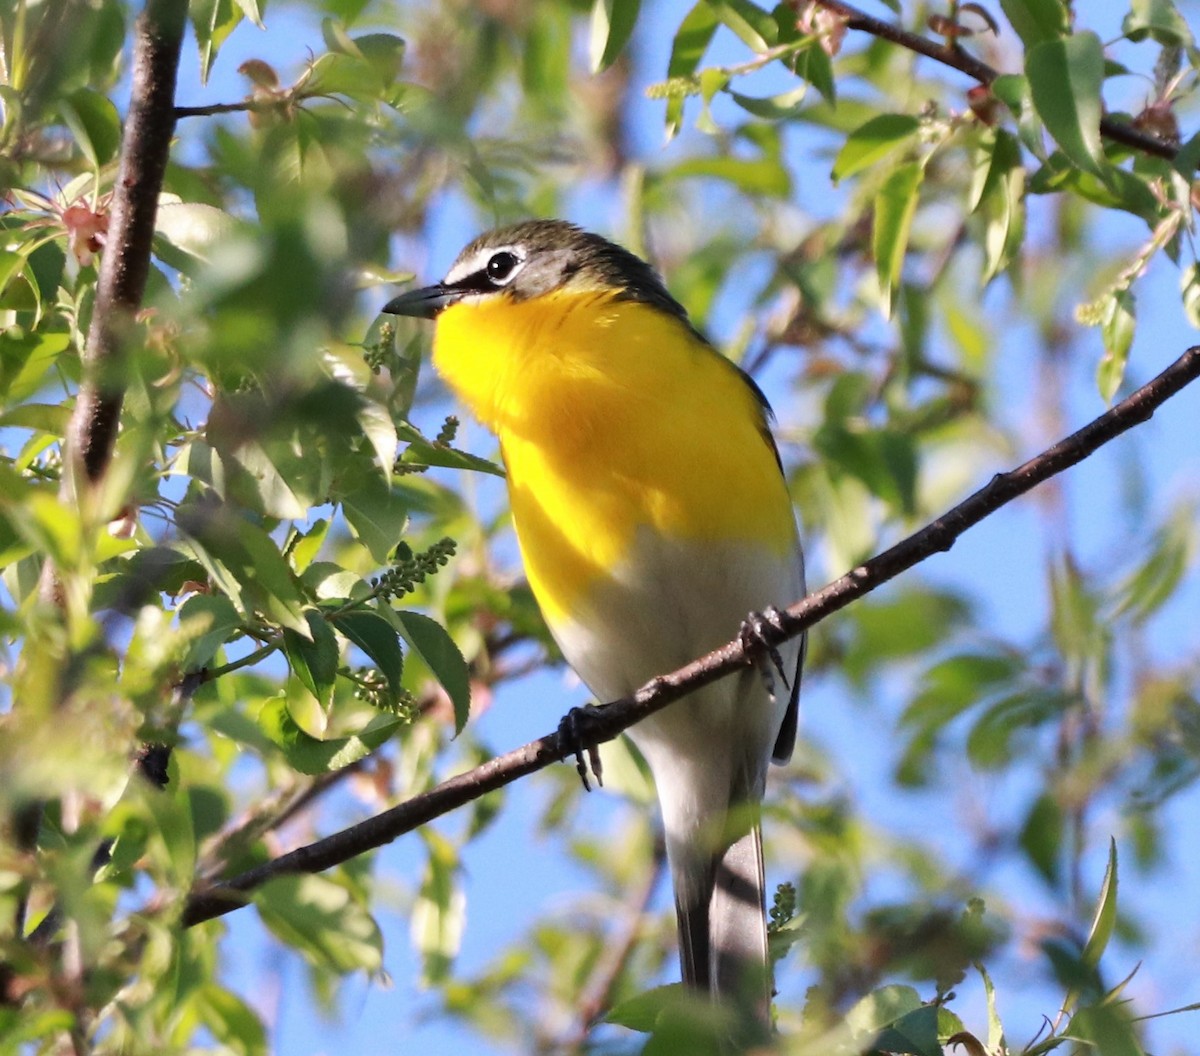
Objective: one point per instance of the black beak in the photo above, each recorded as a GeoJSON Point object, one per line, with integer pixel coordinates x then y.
{"type": "Point", "coordinates": [424, 303]}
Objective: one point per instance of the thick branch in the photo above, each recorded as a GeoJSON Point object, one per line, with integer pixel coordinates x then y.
{"type": "Point", "coordinates": [614, 718]}
{"type": "Point", "coordinates": [955, 57]}
{"type": "Point", "coordinates": [125, 262]}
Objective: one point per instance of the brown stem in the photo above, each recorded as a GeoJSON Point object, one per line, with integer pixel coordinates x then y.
{"type": "Point", "coordinates": [956, 58]}
{"type": "Point", "coordinates": [606, 723]}
{"type": "Point", "coordinates": [125, 263]}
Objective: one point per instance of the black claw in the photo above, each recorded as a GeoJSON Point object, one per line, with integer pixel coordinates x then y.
{"type": "Point", "coordinates": [572, 732]}
{"type": "Point", "coordinates": [755, 644]}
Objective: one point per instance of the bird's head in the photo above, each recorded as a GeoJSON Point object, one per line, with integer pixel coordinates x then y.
{"type": "Point", "coordinates": [534, 259]}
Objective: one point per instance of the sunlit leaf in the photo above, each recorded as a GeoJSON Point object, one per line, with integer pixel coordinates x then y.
{"type": "Point", "coordinates": [612, 26]}
{"type": "Point", "coordinates": [873, 141]}
{"type": "Point", "coordinates": [895, 207]}
{"type": "Point", "coordinates": [435, 646]}
{"type": "Point", "coordinates": [317, 916]}
{"type": "Point", "coordinates": [376, 637]}
{"type": "Point", "coordinates": [95, 124]}
{"type": "Point", "coordinates": [314, 658]}
{"type": "Point", "coordinates": [1036, 20]}
{"type": "Point", "coordinates": [1065, 77]}
{"type": "Point", "coordinates": [1158, 19]}
{"type": "Point", "coordinates": [313, 755]}
{"type": "Point", "coordinates": [1117, 328]}
{"type": "Point", "coordinates": [439, 913]}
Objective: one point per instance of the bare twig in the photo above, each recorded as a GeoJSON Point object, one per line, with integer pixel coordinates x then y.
{"type": "Point", "coordinates": [611, 720]}
{"type": "Point", "coordinates": [954, 57]}
{"type": "Point", "coordinates": [246, 106]}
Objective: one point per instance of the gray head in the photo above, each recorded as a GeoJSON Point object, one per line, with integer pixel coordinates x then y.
{"type": "Point", "coordinates": [535, 258]}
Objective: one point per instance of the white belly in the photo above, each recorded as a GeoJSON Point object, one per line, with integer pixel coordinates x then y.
{"type": "Point", "coordinates": [667, 605]}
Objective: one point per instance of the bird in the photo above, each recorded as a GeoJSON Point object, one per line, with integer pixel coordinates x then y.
{"type": "Point", "coordinates": [655, 524]}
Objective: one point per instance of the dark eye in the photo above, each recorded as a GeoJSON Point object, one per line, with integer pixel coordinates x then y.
{"type": "Point", "coordinates": [500, 266]}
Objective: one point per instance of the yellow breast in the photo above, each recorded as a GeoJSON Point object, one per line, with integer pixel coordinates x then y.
{"type": "Point", "coordinates": [612, 416]}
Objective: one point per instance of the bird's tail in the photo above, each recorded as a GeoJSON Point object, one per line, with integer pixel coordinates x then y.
{"type": "Point", "coordinates": [723, 930]}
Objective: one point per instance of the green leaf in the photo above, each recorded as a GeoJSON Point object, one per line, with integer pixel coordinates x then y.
{"type": "Point", "coordinates": [213, 621]}
{"type": "Point", "coordinates": [612, 26]}
{"type": "Point", "coordinates": [433, 642]}
{"type": "Point", "coordinates": [990, 741]}
{"type": "Point", "coordinates": [1117, 327]}
{"type": "Point", "coordinates": [312, 755]}
{"type": "Point", "coordinates": [642, 1011]}
{"type": "Point", "coordinates": [377, 426]}
{"type": "Point", "coordinates": [376, 637]}
{"type": "Point", "coordinates": [1187, 160]}
{"type": "Point", "coordinates": [1154, 581]}
{"type": "Point", "coordinates": [1158, 19]}
{"type": "Point", "coordinates": [231, 1021]}
{"type": "Point", "coordinates": [245, 562]}
{"type": "Point", "coordinates": [885, 460]}
{"type": "Point", "coordinates": [691, 41]}
{"type": "Point", "coordinates": [42, 417]}
{"type": "Point", "coordinates": [1042, 835]}
{"type": "Point", "coordinates": [171, 812]}
{"type": "Point", "coordinates": [816, 67]}
{"type": "Point", "coordinates": [1000, 187]}
{"type": "Point", "coordinates": [756, 28]}
{"type": "Point", "coordinates": [1105, 917]}
{"type": "Point", "coordinates": [377, 515]}
{"type": "Point", "coordinates": [1106, 1029]}
{"type": "Point", "coordinates": [895, 206]}
{"type": "Point", "coordinates": [755, 176]}
{"type": "Point", "coordinates": [873, 141]}
{"type": "Point", "coordinates": [995, 1039]}
{"type": "Point", "coordinates": [439, 912]}
{"type": "Point", "coordinates": [318, 917]}
{"type": "Point", "coordinates": [385, 54]}
{"type": "Point", "coordinates": [1037, 20]}
{"type": "Point", "coordinates": [314, 659]}
{"type": "Point", "coordinates": [774, 108]}
{"type": "Point", "coordinates": [893, 1019]}
{"type": "Point", "coordinates": [193, 229]}
{"type": "Point", "coordinates": [95, 124]}
{"type": "Point", "coordinates": [307, 545]}
{"type": "Point", "coordinates": [1065, 78]}
{"type": "Point", "coordinates": [26, 359]}
{"type": "Point", "coordinates": [213, 21]}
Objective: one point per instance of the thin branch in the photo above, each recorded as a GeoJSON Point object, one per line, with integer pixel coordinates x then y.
{"type": "Point", "coordinates": [953, 56]}
{"type": "Point", "coordinates": [246, 106]}
{"type": "Point", "coordinates": [608, 722]}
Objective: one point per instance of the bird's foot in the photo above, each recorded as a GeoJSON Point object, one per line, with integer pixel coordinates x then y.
{"type": "Point", "coordinates": [572, 732]}
{"type": "Point", "coordinates": [753, 636]}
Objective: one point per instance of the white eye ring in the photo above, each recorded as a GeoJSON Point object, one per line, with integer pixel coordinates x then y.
{"type": "Point", "coordinates": [501, 266]}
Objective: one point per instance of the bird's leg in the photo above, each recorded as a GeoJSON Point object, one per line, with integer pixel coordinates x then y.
{"type": "Point", "coordinates": [572, 732]}
{"type": "Point", "coordinates": [754, 641]}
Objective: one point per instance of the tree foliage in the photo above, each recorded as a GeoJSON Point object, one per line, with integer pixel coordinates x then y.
{"type": "Point", "coordinates": [286, 576]}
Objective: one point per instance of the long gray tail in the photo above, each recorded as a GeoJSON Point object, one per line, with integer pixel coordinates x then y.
{"type": "Point", "coordinates": [723, 939]}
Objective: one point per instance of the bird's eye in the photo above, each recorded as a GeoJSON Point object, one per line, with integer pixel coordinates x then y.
{"type": "Point", "coordinates": [501, 266]}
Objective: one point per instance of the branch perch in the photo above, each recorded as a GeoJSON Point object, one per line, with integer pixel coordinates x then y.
{"type": "Point", "coordinates": [610, 721]}
{"type": "Point", "coordinates": [957, 59]}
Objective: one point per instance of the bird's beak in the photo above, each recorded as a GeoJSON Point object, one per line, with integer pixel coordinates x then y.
{"type": "Point", "coordinates": [424, 303]}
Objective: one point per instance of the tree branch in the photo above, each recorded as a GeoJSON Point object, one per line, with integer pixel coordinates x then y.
{"type": "Point", "coordinates": [614, 718]}
{"type": "Point", "coordinates": [125, 262]}
{"type": "Point", "coordinates": [956, 58]}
